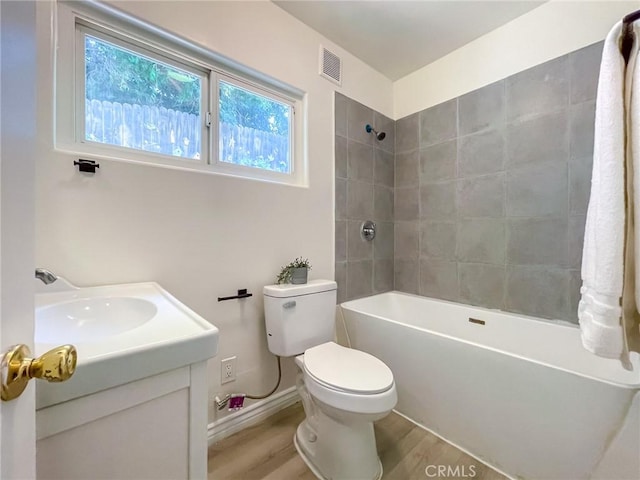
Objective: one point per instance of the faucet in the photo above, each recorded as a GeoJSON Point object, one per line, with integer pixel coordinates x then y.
{"type": "Point", "coordinates": [45, 275]}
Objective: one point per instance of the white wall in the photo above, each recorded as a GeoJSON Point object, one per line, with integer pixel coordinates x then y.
{"type": "Point", "coordinates": [549, 31]}
{"type": "Point", "coordinates": [202, 235]}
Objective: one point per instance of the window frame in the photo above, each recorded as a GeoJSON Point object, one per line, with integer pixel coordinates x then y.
{"type": "Point", "coordinates": [82, 31]}
{"type": "Point", "coordinates": [262, 91]}
{"type": "Point", "coordinates": [75, 21]}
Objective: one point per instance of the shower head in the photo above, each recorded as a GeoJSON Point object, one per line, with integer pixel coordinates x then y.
{"type": "Point", "coordinates": [379, 135]}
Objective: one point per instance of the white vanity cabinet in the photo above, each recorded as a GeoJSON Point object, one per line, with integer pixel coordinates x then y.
{"type": "Point", "coordinates": [136, 406]}
{"type": "Point", "coordinates": [154, 428]}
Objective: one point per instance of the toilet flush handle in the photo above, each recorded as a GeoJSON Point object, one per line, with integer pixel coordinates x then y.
{"type": "Point", "coordinates": [289, 304]}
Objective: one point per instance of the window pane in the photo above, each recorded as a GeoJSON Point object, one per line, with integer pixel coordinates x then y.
{"type": "Point", "coordinates": [254, 129]}
{"type": "Point", "coordinates": [135, 102]}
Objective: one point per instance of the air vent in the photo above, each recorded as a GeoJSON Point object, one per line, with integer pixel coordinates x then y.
{"type": "Point", "coordinates": [330, 66]}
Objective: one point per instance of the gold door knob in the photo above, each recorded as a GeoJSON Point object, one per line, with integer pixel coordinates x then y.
{"type": "Point", "coordinates": [16, 369]}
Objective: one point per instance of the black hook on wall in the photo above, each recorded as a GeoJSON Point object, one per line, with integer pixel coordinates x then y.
{"type": "Point", "coordinates": [86, 166]}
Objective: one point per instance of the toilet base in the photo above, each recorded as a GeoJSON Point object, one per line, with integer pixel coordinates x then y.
{"type": "Point", "coordinates": [307, 443]}
{"type": "Point", "coordinates": [305, 458]}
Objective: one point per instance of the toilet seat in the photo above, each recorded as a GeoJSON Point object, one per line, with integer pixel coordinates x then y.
{"type": "Point", "coordinates": [347, 370]}
{"type": "Point", "coordinates": [331, 375]}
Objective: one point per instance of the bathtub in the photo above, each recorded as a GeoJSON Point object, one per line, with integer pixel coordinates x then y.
{"type": "Point", "coordinates": [518, 393]}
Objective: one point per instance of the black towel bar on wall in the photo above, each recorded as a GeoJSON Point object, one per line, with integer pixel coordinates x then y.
{"type": "Point", "coordinates": [242, 293]}
{"type": "Point", "coordinates": [627, 38]}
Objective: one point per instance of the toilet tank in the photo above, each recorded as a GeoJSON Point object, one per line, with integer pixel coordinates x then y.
{"type": "Point", "coordinates": [298, 317]}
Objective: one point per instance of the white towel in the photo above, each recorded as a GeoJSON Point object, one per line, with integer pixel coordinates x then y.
{"type": "Point", "coordinates": [599, 310]}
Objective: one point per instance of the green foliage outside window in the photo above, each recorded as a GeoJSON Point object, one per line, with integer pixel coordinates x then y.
{"type": "Point", "coordinates": [117, 75]}
{"type": "Point", "coordinates": [248, 109]}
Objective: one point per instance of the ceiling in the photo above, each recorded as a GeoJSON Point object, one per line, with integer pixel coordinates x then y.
{"type": "Point", "coordinates": [399, 37]}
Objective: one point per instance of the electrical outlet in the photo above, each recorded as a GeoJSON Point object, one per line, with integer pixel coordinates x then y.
{"type": "Point", "coordinates": [228, 369]}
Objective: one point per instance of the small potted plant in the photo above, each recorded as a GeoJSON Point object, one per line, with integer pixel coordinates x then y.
{"type": "Point", "coordinates": [295, 272]}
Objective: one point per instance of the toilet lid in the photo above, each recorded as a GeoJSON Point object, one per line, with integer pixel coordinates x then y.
{"type": "Point", "coordinates": [347, 369]}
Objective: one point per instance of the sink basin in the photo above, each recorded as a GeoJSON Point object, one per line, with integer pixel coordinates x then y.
{"type": "Point", "coordinates": [122, 333]}
{"type": "Point", "coordinates": [92, 319]}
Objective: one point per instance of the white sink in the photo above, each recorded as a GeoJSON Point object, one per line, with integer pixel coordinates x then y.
{"type": "Point", "coordinates": [92, 319]}
{"type": "Point", "coordinates": [122, 333]}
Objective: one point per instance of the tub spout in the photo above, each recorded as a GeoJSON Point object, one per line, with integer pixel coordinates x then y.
{"type": "Point", "coordinates": [45, 275]}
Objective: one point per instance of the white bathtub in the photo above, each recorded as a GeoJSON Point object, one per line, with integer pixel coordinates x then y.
{"type": "Point", "coordinates": [518, 393]}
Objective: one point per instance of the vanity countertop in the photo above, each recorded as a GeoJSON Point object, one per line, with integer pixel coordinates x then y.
{"type": "Point", "coordinates": [122, 333]}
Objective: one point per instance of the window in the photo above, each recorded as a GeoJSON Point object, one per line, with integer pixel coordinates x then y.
{"type": "Point", "coordinates": [133, 101]}
{"type": "Point", "coordinates": [140, 96]}
{"type": "Point", "coordinates": [254, 129]}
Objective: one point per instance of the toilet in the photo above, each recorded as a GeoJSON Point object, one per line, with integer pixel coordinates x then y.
{"type": "Point", "coordinates": [343, 390]}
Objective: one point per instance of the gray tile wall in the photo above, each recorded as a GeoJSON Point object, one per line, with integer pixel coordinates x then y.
{"type": "Point", "coordinates": [491, 191]}
{"type": "Point", "coordinates": [364, 184]}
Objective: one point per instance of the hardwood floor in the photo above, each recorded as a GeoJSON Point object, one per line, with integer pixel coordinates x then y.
{"type": "Point", "coordinates": [266, 452]}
